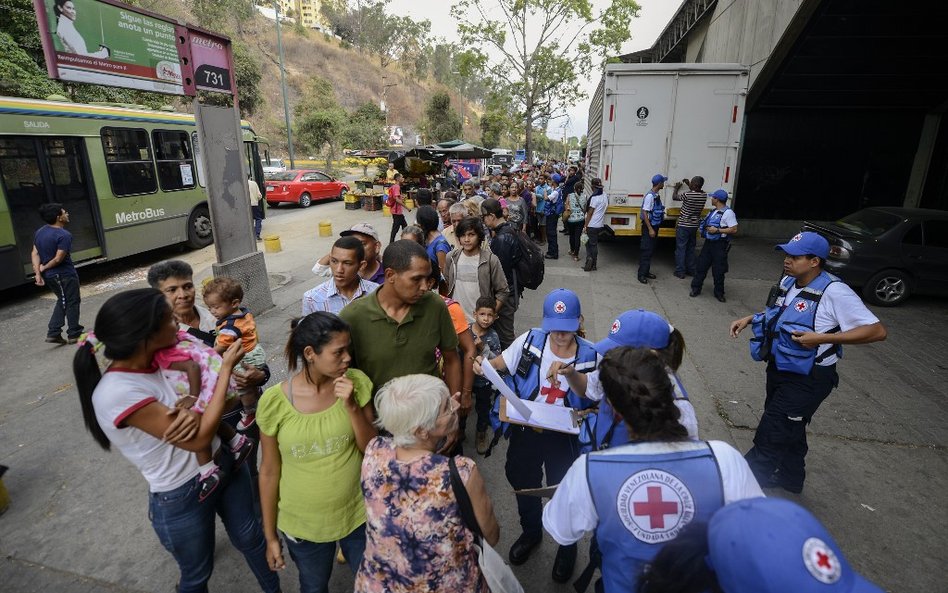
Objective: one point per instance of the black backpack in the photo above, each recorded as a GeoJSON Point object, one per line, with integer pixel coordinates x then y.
{"type": "Point", "coordinates": [530, 267]}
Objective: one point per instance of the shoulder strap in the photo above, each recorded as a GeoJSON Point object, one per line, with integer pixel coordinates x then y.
{"type": "Point", "coordinates": [464, 501]}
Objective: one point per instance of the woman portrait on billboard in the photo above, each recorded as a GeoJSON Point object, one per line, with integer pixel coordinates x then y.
{"type": "Point", "coordinates": [66, 31]}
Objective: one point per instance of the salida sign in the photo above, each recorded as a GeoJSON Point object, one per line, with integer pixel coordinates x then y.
{"type": "Point", "coordinates": [109, 43]}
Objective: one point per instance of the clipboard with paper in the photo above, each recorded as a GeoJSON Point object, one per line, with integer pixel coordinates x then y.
{"type": "Point", "coordinates": [531, 413]}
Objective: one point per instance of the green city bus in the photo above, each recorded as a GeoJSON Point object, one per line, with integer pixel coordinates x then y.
{"type": "Point", "coordinates": [131, 179]}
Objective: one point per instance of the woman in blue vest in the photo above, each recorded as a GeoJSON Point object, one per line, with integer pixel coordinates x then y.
{"type": "Point", "coordinates": [717, 228]}
{"type": "Point", "coordinates": [546, 364]}
{"type": "Point", "coordinates": [636, 329]}
{"type": "Point", "coordinates": [640, 495]}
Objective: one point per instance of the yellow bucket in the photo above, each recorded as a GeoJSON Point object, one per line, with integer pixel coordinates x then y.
{"type": "Point", "coordinates": [325, 228]}
{"type": "Point", "coordinates": [410, 203]}
{"type": "Point", "coordinates": [386, 211]}
{"type": "Point", "coordinates": [271, 244]}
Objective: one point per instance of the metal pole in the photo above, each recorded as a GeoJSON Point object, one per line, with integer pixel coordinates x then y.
{"type": "Point", "coordinates": [286, 105]}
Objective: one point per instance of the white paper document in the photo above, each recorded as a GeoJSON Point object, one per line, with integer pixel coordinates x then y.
{"type": "Point", "coordinates": [543, 415]}
{"type": "Point", "coordinates": [490, 373]}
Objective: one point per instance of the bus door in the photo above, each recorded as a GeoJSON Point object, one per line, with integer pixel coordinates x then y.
{"type": "Point", "coordinates": [39, 170]}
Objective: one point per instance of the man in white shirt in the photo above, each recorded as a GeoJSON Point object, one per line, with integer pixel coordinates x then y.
{"type": "Point", "coordinates": [256, 208]}
{"type": "Point", "coordinates": [595, 220]}
{"type": "Point", "coordinates": [346, 260]}
{"type": "Point", "coordinates": [800, 335]}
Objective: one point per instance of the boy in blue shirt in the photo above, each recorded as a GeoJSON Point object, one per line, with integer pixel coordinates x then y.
{"type": "Point", "coordinates": [53, 267]}
{"type": "Point", "coordinates": [487, 344]}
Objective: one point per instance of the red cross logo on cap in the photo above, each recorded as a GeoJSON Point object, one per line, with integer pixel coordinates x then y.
{"type": "Point", "coordinates": [821, 562]}
{"type": "Point", "coordinates": [800, 306]}
{"type": "Point", "coordinates": [560, 307]}
{"type": "Point", "coordinates": [796, 237]}
{"type": "Point", "coordinates": [615, 327]}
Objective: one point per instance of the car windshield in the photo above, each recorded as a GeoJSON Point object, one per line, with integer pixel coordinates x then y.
{"type": "Point", "coordinates": [871, 223]}
{"type": "Point", "coordinates": [284, 176]}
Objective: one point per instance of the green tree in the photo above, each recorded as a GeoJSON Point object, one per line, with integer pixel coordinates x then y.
{"type": "Point", "coordinates": [543, 46]}
{"type": "Point", "coordinates": [498, 120]}
{"type": "Point", "coordinates": [320, 119]}
{"type": "Point", "coordinates": [441, 122]}
{"type": "Point", "coordinates": [364, 129]}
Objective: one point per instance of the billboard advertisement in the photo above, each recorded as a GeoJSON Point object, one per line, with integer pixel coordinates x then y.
{"type": "Point", "coordinates": [109, 43]}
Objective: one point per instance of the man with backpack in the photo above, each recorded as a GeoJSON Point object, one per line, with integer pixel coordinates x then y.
{"type": "Point", "coordinates": [521, 260]}
{"type": "Point", "coordinates": [653, 213]}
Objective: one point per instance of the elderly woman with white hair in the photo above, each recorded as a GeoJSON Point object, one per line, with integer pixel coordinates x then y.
{"type": "Point", "coordinates": [416, 537]}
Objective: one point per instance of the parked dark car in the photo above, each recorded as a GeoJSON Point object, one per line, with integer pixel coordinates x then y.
{"type": "Point", "coordinates": [889, 252]}
{"type": "Point", "coordinates": [303, 187]}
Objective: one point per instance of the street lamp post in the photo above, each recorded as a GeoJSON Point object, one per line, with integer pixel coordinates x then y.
{"type": "Point", "coordinates": [286, 104]}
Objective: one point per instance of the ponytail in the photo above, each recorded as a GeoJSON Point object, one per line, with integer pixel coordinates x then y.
{"type": "Point", "coordinates": [674, 352]}
{"type": "Point", "coordinates": [85, 367]}
{"type": "Point", "coordinates": [638, 388]}
{"type": "Point", "coordinates": [680, 566]}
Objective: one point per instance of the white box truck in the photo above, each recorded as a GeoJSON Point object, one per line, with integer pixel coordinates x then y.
{"type": "Point", "coordinates": [679, 120]}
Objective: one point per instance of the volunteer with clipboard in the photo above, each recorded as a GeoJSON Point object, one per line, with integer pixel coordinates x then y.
{"type": "Point", "coordinates": [546, 364]}
{"type": "Point", "coordinates": [640, 495]}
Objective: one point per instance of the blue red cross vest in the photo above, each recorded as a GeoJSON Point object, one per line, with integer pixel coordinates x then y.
{"type": "Point", "coordinates": [527, 385]}
{"type": "Point", "coordinates": [657, 213]}
{"type": "Point", "coordinates": [644, 494]}
{"type": "Point", "coordinates": [713, 219]}
{"type": "Point", "coordinates": [773, 329]}
{"type": "Point", "coordinates": [606, 429]}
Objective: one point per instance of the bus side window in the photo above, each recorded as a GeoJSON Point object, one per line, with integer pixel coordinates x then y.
{"type": "Point", "coordinates": [128, 161]}
{"type": "Point", "coordinates": [199, 160]}
{"type": "Point", "coordinates": [174, 158]}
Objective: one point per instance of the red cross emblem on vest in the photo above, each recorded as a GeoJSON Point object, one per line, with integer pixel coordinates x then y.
{"type": "Point", "coordinates": [655, 508]}
{"type": "Point", "coordinates": [552, 393]}
{"type": "Point", "coordinates": [800, 306]}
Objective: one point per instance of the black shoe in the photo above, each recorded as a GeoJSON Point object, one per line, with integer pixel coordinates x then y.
{"type": "Point", "coordinates": [776, 480]}
{"type": "Point", "coordinates": [548, 256]}
{"type": "Point", "coordinates": [590, 266]}
{"type": "Point", "coordinates": [564, 563]}
{"type": "Point", "coordinates": [651, 276]}
{"type": "Point", "coordinates": [56, 340]}
{"type": "Point", "coordinates": [72, 340]}
{"type": "Point", "coordinates": [694, 293]}
{"type": "Point", "coordinates": [522, 548]}
{"type": "Point", "coordinates": [643, 279]}
{"type": "Point", "coordinates": [679, 275]}
{"type": "Point", "coordinates": [720, 298]}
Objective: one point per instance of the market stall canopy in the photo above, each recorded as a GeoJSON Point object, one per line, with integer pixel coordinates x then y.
{"type": "Point", "coordinates": [465, 151]}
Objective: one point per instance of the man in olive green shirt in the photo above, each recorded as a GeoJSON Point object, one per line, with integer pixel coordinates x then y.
{"type": "Point", "coordinates": [396, 329]}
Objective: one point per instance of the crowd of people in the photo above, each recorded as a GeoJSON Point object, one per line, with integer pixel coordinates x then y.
{"type": "Point", "coordinates": [362, 445]}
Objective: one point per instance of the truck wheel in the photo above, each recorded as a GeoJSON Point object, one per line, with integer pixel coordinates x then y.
{"type": "Point", "coordinates": [888, 288]}
{"type": "Point", "coordinates": [305, 200]}
{"type": "Point", "coordinates": [200, 233]}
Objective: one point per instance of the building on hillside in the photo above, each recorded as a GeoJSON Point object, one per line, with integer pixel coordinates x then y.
{"type": "Point", "coordinates": [306, 12]}
{"type": "Point", "coordinates": [845, 105]}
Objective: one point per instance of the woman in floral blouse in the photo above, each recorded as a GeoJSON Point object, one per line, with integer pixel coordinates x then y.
{"type": "Point", "coordinates": [416, 539]}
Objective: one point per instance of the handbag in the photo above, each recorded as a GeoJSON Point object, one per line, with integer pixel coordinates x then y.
{"type": "Point", "coordinates": [499, 576]}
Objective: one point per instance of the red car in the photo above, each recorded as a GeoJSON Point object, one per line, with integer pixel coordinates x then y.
{"type": "Point", "coordinates": [303, 187]}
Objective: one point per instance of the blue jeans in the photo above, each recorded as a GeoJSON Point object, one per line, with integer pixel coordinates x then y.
{"type": "Point", "coordinates": [646, 249]}
{"type": "Point", "coordinates": [257, 220]}
{"type": "Point", "coordinates": [185, 527]}
{"type": "Point", "coordinates": [552, 243]}
{"type": "Point", "coordinates": [685, 241]}
{"type": "Point", "coordinates": [66, 310]}
{"type": "Point", "coordinates": [314, 560]}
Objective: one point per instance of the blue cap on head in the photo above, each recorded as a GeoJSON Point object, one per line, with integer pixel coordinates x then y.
{"type": "Point", "coordinates": [771, 545]}
{"type": "Point", "coordinates": [658, 178]}
{"type": "Point", "coordinates": [561, 311]}
{"type": "Point", "coordinates": [557, 178]}
{"type": "Point", "coordinates": [806, 243]}
{"type": "Point", "coordinates": [719, 194]}
{"type": "Point", "coordinates": [637, 329]}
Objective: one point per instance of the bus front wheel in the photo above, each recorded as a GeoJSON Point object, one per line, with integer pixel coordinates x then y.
{"type": "Point", "coordinates": [200, 234]}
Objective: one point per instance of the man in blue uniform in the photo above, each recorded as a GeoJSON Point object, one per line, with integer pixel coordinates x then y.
{"type": "Point", "coordinates": [800, 334]}
{"type": "Point", "coordinates": [653, 213]}
{"type": "Point", "coordinates": [717, 228]}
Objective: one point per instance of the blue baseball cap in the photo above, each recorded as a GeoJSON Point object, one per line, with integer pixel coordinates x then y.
{"type": "Point", "coordinates": [638, 329]}
{"type": "Point", "coordinates": [561, 311]}
{"type": "Point", "coordinates": [771, 545]}
{"type": "Point", "coordinates": [557, 177]}
{"type": "Point", "coordinates": [658, 178]}
{"type": "Point", "coordinates": [719, 194]}
{"type": "Point", "coordinates": [806, 243]}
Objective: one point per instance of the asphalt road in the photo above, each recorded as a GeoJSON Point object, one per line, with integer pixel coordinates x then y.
{"type": "Point", "coordinates": [877, 463]}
